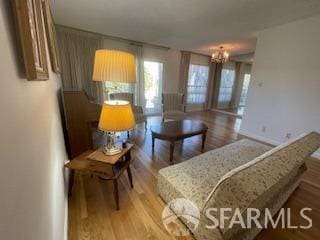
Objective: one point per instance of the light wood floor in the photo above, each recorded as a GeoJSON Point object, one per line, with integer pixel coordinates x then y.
{"type": "Point", "coordinates": [92, 214]}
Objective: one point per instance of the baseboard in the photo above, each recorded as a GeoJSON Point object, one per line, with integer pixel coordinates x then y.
{"type": "Point", "coordinates": [67, 176]}
{"type": "Point", "coordinates": [248, 134]}
{"type": "Point", "coordinates": [66, 226]}
{"type": "Point", "coordinates": [316, 155]}
{"type": "Point", "coordinates": [227, 113]}
{"type": "Point", "coordinates": [258, 137]}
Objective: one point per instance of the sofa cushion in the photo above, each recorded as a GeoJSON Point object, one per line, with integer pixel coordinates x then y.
{"type": "Point", "coordinates": [245, 185]}
{"type": "Point", "coordinates": [194, 179]}
{"type": "Point", "coordinates": [272, 202]}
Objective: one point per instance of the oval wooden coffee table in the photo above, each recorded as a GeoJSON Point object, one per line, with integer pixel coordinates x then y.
{"type": "Point", "coordinates": [178, 130]}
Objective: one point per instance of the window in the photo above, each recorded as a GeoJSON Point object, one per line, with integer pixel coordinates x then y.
{"type": "Point", "coordinates": [118, 87]}
{"type": "Point", "coordinates": [244, 92]}
{"type": "Point", "coordinates": [153, 72]}
{"type": "Point", "coordinates": [197, 83]}
{"type": "Point", "coordinates": [226, 85]}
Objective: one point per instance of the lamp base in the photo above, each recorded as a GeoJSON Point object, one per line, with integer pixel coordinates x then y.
{"type": "Point", "coordinates": [111, 151]}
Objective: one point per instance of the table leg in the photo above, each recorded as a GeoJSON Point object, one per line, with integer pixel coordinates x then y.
{"type": "Point", "coordinates": [116, 193]}
{"type": "Point", "coordinates": [204, 135]}
{"type": "Point", "coordinates": [130, 176]}
{"type": "Point", "coordinates": [171, 151]}
{"type": "Point", "coordinates": [71, 182]}
{"type": "Point", "coordinates": [152, 142]}
{"type": "Point", "coordinates": [128, 156]}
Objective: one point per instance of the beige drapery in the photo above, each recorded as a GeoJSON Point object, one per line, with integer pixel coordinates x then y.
{"type": "Point", "coordinates": [234, 103]}
{"type": "Point", "coordinates": [77, 51]}
{"type": "Point", "coordinates": [210, 91]}
{"type": "Point", "coordinates": [215, 69]}
{"type": "Point", "coordinates": [184, 71]}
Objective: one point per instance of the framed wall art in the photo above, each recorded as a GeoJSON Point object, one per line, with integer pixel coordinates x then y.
{"type": "Point", "coordinates": [51, 36]}
{"type": "Point", "coordinates": [31, 35]}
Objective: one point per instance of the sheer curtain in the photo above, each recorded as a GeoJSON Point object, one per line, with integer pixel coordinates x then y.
{"type": "Point", "coordinates": [197, 84]}
{"type": "Point", "coordinates": [226, 85]}
{"type": "Point", "coordinates": [77, 49]}
{"type": "Point", "coordinates": [137, 50]}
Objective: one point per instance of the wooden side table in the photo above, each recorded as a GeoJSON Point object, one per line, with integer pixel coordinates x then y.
{"type": "Point", "coordinates": [108, 167]}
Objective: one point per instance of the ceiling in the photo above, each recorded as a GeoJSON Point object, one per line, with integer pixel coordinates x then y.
{"type": "Point", "coordinates": [194, 25]}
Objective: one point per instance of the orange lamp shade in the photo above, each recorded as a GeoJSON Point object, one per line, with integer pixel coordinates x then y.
{"type": "Point", "coordinates": [115, 66]}
{"type": "Point", "coordinates": [116, 116]}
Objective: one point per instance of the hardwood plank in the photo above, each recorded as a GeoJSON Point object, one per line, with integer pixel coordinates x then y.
{"type": "Point", "coordinates": [92, 213]}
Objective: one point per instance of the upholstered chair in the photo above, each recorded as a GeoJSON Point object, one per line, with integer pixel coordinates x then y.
{"type": "Point", "coordinates": [139, 116]}
{"type": "Point", "coordinates": [173, 107]}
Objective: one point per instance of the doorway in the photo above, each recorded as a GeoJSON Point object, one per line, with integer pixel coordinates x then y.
{"type": "Point", "coordinates": [153, 74]}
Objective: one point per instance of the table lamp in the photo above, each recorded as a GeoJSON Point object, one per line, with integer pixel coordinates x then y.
{"type": "Point", "coordinates": [114, 66]}
{"type": "Point", "coordinates": [116, 116]}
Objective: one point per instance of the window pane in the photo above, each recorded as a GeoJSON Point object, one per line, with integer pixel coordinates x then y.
{"type": "Point", "coordinates": [197, 83]}
{"type": "Point", "coordinates": [245, 88]}
{"type": "Point", "coordinates": [226, 85]}
{"type": "Point", "coordinates": [152, 86]}
{"type": "Point", "coordinates": [118, 87]}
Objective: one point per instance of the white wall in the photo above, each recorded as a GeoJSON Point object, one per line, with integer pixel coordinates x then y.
{"type": "Point", "coordinates": [33, 199]}
{"type": "Point", "coordinates": [284, 94]}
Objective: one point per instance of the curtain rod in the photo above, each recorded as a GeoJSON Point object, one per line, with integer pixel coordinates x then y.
{"type": "Point", "coordinates": [114, 38]}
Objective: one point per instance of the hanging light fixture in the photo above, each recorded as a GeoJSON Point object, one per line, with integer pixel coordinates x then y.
{"type": "Point", "coordinates": [220, 56]}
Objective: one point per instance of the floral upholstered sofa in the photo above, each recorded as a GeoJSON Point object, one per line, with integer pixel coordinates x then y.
{"type": "Point", "coordinates": [242, 175]}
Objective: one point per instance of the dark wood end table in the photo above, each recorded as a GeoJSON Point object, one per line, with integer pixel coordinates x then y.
{"type": "Point", "coordinates": [108, 167]}
{"type": "Point", "coordinates": [178, 130]}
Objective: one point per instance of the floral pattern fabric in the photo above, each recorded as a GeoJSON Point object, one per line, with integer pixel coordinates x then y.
{"type": "Point", "coordinates": [238, 175]}
{"type": "Point", "coordinates": [194, 179]}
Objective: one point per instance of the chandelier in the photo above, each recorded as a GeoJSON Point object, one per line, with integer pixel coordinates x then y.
{"type": "Point", "coordinates": [220, 56]}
